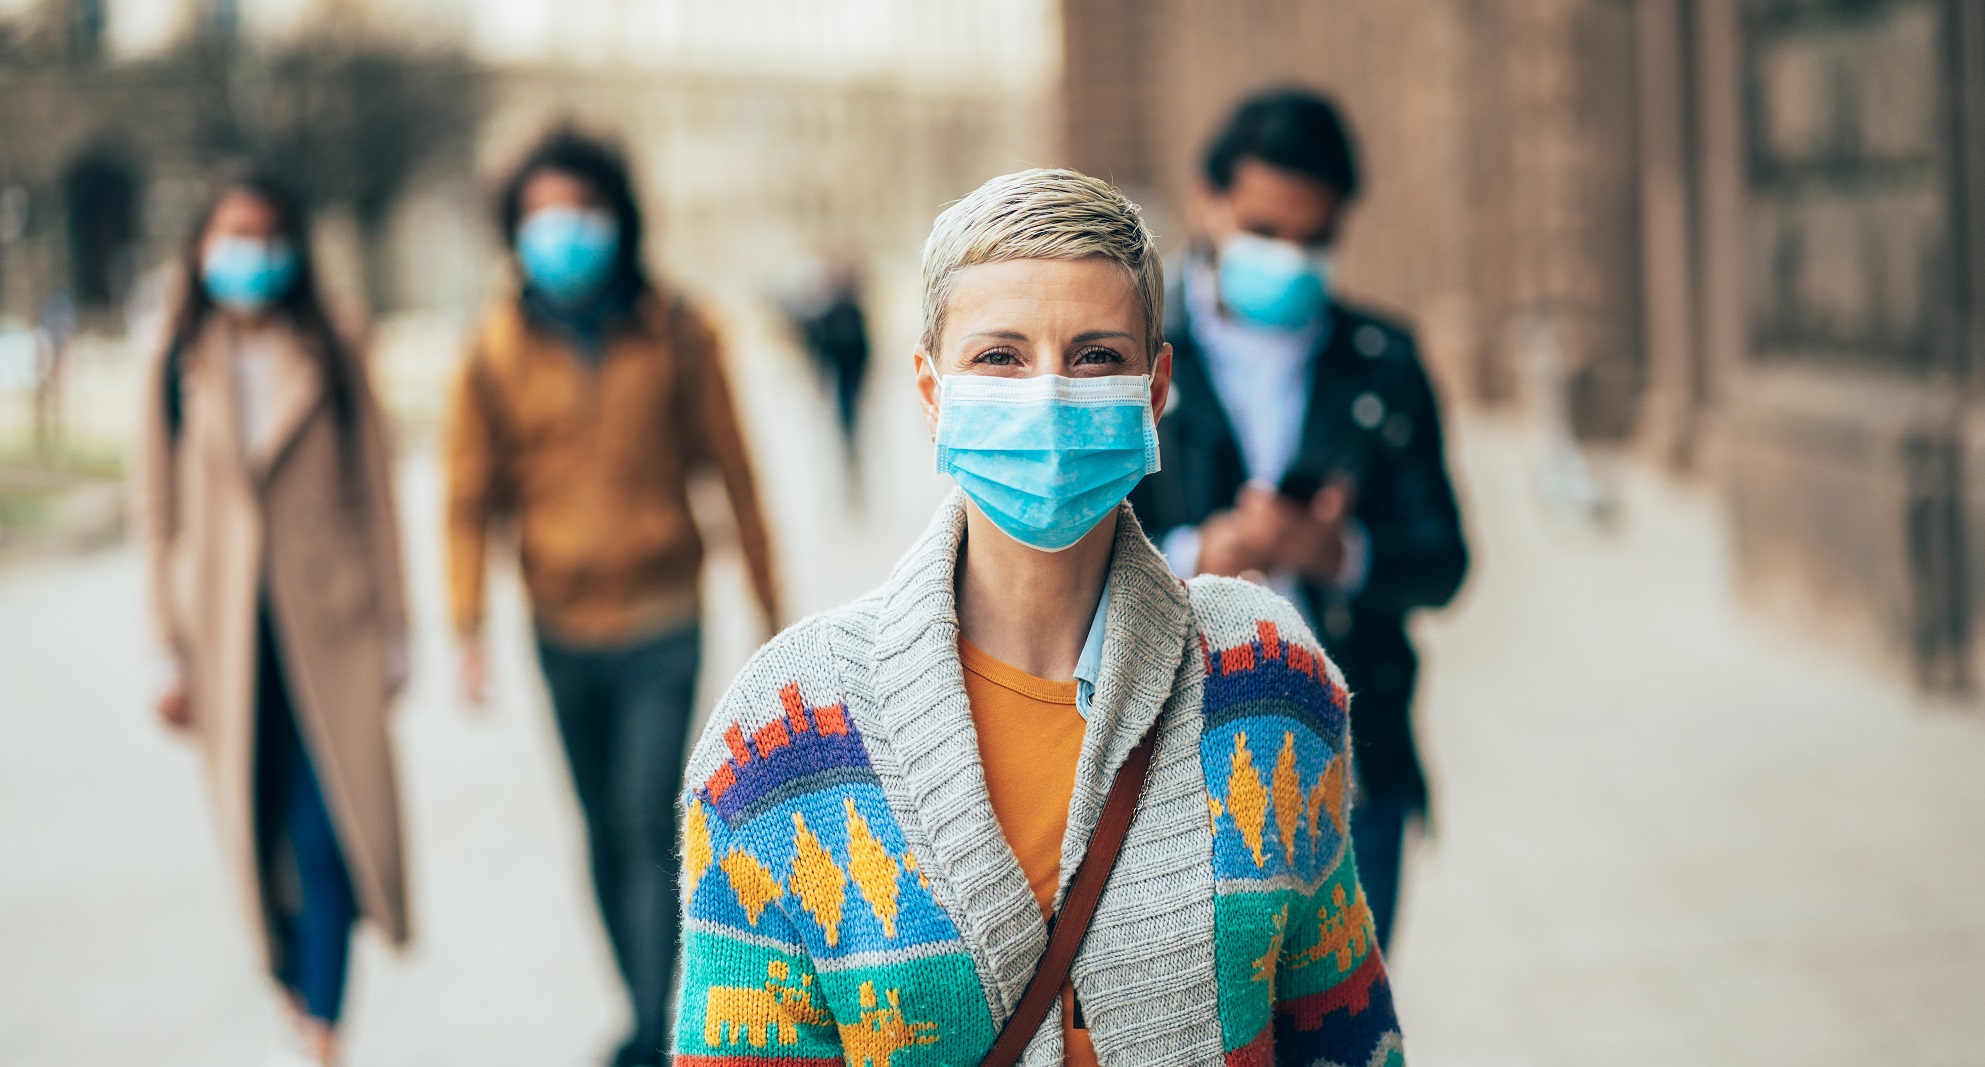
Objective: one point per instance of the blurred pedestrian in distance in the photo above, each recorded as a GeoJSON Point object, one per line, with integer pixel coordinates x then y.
{"type": "Point", "coordinates": [265, 498]}
{"type": "Point", "coordinates": [55, 329]}
{"type": "Point", "coordinates": [590, 396]}
{"type": "Point", "coordinates": [1304, 449]}
{"type": "Point", "coordinates": [826, 308]}
{"type": "Point", "coordinates": [899, 799]}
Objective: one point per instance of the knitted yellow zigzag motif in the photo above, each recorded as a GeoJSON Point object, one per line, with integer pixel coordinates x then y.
{"type": "Point", "coordinates": [1248, 799]}
{"type": "Point", "coordinates": [820, 884]}
{"type": "Point", "coordinates": [754, 885]}
{"type": "Point", "coordinates": [873, 868]}
{"type": "Point", "coordinates": [696, 855]}
{"type": "Point", "coordinates": [818, 879]}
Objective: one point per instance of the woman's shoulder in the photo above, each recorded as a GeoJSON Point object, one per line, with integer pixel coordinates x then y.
{"type": "Point", "coordinates": [1231, 609]}
{"type": "Point", "coordinates": [785, 711]}
{"type": "Point", "coordinates": [1243, 621]}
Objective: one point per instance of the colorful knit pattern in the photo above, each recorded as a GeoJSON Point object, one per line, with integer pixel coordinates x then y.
{"type": "Point", "coordinates": [1301, 980]}
{"type": "Point", "coordinates": [810, 934]}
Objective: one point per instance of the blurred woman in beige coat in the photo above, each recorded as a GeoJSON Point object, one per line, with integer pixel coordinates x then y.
{"type": "Point", "coordinates": [264, 491]}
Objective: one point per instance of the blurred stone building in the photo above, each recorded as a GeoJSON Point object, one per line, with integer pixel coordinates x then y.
{"type": "Point", "coordinates": [1814, 212]}
{"type": "Point", "coordinates": [1500, 199]}
{"type": "Point", "coordinates": [1747, 235]}
{"type": "Point", "coordinates": [763, 130]}
{"type": "Point", "coordinates": [1744, 238]}
{"type": "Point", "coordinates": [104, 145]}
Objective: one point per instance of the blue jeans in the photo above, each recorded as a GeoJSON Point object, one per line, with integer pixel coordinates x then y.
{"type": "Point", "coordinates": [1378, 838]}
{"type": "Point", "coordinates": [306, 886]}
{"type": "Point", "coordinates": [624, 714]}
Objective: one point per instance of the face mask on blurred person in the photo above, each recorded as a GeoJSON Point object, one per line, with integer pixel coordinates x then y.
{"type": "Point", "coordinates": [1046, 458]}
{"type": "Point", "coordinates": [568, 252]}
{"type": "Point", "coordinates": [1271, 283]}
{"type": "Point", "coordinates": [247, 275]}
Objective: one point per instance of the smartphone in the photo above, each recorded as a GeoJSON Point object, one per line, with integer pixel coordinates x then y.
{"type": "Point", "coordinates": [1298, 486]}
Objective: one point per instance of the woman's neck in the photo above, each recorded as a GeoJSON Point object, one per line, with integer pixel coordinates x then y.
{"type": "Point", "coordinates": [245, 322]}
{"type": "Point", "coordinates": [1027, 608]}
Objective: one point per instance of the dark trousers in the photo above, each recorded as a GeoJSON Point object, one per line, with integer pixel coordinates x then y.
{"type": "Point", "coordinates": [308, 889]}
{"type": "Point", "coordinates": [624, 715]}
{"type": "Point", "coordinates": [1378, 838]}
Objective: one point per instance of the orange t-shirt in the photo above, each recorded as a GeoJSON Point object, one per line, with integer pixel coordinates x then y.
{"type": "Point", "coordinates": [1030, 736]}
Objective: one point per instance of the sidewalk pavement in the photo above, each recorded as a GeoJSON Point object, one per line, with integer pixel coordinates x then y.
{"type": "Point", "coordinates": [1662, 836]}
{"type": "Point", "coordinates": [1665, 836]}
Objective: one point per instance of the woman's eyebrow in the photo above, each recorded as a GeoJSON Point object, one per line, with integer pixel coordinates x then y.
{"type": "Point", "coordinates": [1003, 335]}
{"type": "Point", "coordinates": [1104, 335]}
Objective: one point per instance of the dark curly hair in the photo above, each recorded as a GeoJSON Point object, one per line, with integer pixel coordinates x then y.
{"type": "Point", "coordinates": [598, 163]}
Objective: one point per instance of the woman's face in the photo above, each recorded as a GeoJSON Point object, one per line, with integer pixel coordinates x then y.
{"type": "Point", "coordinates": [243, 215]}
{"type": "Point", "coordinates": [1079, 318]}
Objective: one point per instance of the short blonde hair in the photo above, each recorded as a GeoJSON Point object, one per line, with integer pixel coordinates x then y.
{"type": "Point", "coordinates": [1042, 214]}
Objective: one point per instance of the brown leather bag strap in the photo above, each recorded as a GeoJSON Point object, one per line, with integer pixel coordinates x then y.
{"type": "Point", "coordinates": [1071, 923]}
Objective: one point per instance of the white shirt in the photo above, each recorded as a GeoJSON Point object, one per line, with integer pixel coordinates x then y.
{"type": "Point", "coordinates": [1261, 375]}
{"type": "Point", "coordinates": [1262, 379]}
{"type": "Point", "coordinates": [1089, 665]}
{"type": "Point", "coordinates": [253, 362]}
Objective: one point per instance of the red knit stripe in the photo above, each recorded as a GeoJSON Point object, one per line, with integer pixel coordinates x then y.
{"type": "Point", "coordinates": [771, 737]}
{"type": "Point", "coordinates": [1271, 639]}
{"type": "Point", "coordinates": [1352, 995]}
{"type": "Point", "coordinates": [832, 719]}
{"type": "Point", "coordinates": [1238, 658]}
{"type": "Point", "coordinates": [789, 696]}
{"type": "Point", "coordinates": [734, 738]}
{"type": "Point", "coordinates": [720, 783]}
{"type": "Point", "coordinates": [1301, 660]}
{"type": "Point", "coordinates": [1259, 1052]}
{"type": "Point", "coordinates": [741, 1060]}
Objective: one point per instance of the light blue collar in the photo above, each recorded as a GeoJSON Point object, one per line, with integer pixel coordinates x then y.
{"type": "Point", "coordinates": [1089, 666]}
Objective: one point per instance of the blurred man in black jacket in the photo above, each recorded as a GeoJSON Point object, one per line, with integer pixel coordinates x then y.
{"type": "Point", "coordinates": [1304, 446]}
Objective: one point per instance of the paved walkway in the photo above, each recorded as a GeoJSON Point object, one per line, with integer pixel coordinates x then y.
{"type": "Point", "coordinates": [1664, 838]}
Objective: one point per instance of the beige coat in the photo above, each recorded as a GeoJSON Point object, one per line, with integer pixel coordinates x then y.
{"type": "Point", "coordinates": [219, 526]}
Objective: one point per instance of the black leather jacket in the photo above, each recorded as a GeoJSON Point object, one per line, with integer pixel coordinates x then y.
{"type": "Point", "coordinates": [1372, 416]}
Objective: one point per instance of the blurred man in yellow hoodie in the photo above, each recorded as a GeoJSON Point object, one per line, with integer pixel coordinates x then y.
{"type": "Point", "coordinates": [589, 398]}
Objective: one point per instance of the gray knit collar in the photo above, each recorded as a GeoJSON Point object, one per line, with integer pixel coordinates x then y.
{"type": "Point", "coordinates": [933, 760]}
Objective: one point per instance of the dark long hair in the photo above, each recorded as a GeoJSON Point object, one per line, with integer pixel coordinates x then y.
{"type": "Point", "coordinates": [600, 165]}
{"type": "Point", "coordinates": [302, 305]}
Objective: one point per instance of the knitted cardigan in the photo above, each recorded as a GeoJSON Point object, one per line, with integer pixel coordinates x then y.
{"type": "Point", "coordinates": [849, 895]}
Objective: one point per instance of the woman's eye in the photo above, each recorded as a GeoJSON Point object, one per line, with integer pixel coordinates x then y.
{"type": "Point", "coordinates": [998, 357]}
{"type": "Point", "coordinates": [1099, 355]}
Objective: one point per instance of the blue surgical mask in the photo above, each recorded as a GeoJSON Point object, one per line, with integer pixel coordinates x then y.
{"type": "Point", "coordinates": [1275, 284]}
{"type": "Point", "coordinates": [1046, 458]}
{"type": "Point", "coordinates": [568, 252]}
{"type": "Point", "coordinates": [247, 275]}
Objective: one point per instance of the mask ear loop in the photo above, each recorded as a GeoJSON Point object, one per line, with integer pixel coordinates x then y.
{"type": "Point", "coordinates": [940, 400]}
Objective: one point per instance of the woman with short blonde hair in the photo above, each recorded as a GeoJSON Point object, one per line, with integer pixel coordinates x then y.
{"type": "Point", "coordinates": [1034, 799]}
